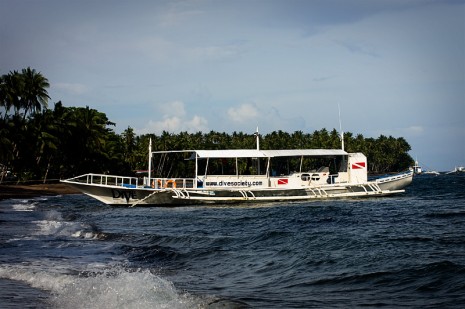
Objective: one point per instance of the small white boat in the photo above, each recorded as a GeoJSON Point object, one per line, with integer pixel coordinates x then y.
{"type": "Point", "coordinates": [432, 173]}
{"type": "Point", "coordinates": [417, 168]}
{"type": "Point", "coordinates": [247, 175]}
{"type": "Point", "coordinates": [457, 170]}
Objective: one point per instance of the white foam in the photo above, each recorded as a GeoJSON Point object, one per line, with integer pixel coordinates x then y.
{"type": "Point", "coordinates": [124, 289]}
{"type": "Point", "coordinates": [24, 206]}
{"type": "Point", "coordinates": [54, 224]}
{"type": "Point", "coordinates": [114, 288]}
{"type": "Point", "coordinates": [37, 279]}
{"type": "Point", "coordinates": [84, 234]}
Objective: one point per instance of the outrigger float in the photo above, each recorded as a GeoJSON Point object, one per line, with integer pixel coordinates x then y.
{"type": "Point", "coordinates": [244, 175]}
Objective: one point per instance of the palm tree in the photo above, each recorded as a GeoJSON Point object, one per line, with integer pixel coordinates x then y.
{"type": "Point", "coordinates": [3, 95]}
{"type": "Point", "coordinates": [46, 132]}
{"type": "Point", "coordinates": [11, 88]}
{"type": "Point", "coordinates": [128, 139]}
{"type": "Point", "coordinates": [34, 95]}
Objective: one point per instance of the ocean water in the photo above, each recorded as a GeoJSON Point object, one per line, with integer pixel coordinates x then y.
{"type": "Point", "coordinates": [393, 252]}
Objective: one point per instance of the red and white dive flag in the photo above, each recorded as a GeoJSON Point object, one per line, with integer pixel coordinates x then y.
{"type": "Point", "coordinates": [283, 181]}
{"type": "Point", "coordinates": [358, 165]}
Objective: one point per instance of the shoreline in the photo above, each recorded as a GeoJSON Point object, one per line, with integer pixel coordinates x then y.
{"type": "Point", "coordinates": [35, 190]}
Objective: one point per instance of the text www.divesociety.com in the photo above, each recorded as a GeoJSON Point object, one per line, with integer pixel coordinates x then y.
{"type": "Point", "coordinates": [233, 183]}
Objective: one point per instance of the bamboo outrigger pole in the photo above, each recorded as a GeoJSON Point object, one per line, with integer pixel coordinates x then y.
{"type": "Point", "coordinates": [340, 127]}
{"type": "Point", "coordinates": [150, 161]}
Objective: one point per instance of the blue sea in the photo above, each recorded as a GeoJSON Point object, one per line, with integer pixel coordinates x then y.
{"type": "Point", "coordinates": [406, 251]}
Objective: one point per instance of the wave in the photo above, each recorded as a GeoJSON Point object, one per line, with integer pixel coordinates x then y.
{"type": "Point", "coordinates": [23, 206]}
{"type": "Point", "coordinates": [175, 249]}
{"type": "Point", "coordinates": [53, 224]}
{"type": "Point", "coordinates": [412, 239]}
{"type": "Point", "coordinates": [115, 287]}
{"type": "Point", "coordinates": [150, 254]}
{"type": "Point", "coordinates": [111, 288]}
{"type": "Point", "coordinates": [438, 275]}
{"type": "Point", "coordinates": [446, 214]}
{"type": "Point", "coordinates": [88, 275]}
{"type": "Point", "coordinates": [433, 285]}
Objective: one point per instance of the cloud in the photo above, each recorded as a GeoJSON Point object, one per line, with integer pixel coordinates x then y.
{"type": "Point", "coordinates": [175, 108]}
{"type": "Point", "coordinates": [178, 14]}
{"type": "Point", "coordinates": [415, 130]}
{"type": "Point", "coordinates": [217, 52]}
{"type": "Point", "coordinates": [359, 48]}
{"type": "Point", "coordinates": [407, 132]}
{"type": "Point", "coordinates": [157, 49]}
{"type": "Point", "coordinates": [175, 124]}
{"type": "Point", "coordinates": [169, 124]}
{"type": "Point", "coordinates": [323, 78]}
{"type": "Point", "coordinates": [196, 124]}
{"type": "Point", "coordinates": [70, 88]}
{"type": "Point", "coordinates": [243, 113]}
{"type": "Point", "coordinates": [174, 120]}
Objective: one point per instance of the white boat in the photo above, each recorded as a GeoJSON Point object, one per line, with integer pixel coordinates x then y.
{"type": "Point", "coordinates": [247, 175]}
{"type": "Point", "coordinates": [432, 173]}
{"type": "Point", "coordinates": [417, 168]}
{"type": "Point", "coordinates": [457, 170]}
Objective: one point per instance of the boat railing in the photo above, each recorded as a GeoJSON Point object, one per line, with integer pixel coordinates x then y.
{"type": "Point", "coordinates": [107, 180]}
{"type": "Point", "coordinates": [388, 178]}
{"type": "Point", "coordinates": [134, 182]}
{"type": "Point", "coordinates": [173, 183]}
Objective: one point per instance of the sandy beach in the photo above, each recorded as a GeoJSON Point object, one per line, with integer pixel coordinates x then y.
{"type": "Point", "coordinates": [26, 191]}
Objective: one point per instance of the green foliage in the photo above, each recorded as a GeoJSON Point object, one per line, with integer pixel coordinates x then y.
{"type": "Point", "coordinates": [41, 143]}
{"type": "Point", "coordinates": [384, 154]}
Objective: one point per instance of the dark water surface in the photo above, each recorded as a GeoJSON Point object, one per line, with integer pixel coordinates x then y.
{"type": "Point", "coordinates": [73, 252]}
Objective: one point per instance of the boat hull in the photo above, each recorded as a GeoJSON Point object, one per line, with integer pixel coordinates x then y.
{"type": "Point", "coordinates": [395, 182]}
{"type": "Point", "coordinates": [121, 196]}
{"type": "Point", "coordinates": [139, 196]}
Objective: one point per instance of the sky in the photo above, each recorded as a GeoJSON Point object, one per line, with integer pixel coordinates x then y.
{"type": "Point", "coordinates": [392, 67]}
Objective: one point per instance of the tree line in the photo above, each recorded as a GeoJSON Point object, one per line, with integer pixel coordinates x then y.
{"type": "Point", "coordinates": [41, 143]}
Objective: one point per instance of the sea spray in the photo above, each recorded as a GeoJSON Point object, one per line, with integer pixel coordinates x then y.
{"type": "Point", "coordinates": [110, 288]}
{"type": "Point", "coordinates": [120, 288]}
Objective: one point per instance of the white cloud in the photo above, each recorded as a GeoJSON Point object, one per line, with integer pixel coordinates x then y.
{"type": "Point", "coordinates": [70, 88]}
{"type": "Point", "coordinates": [169, 124]}
{"type": "Point", "coordinates": [175, 108]}
{"type": "Point", "coordinates": [175, 124]}
{"type": "Point", "coordinates": [196, 124]}
{"type": "Point", "coordinates": [359, 48]}
{"type": "Point", "coordinates": [415, 130]}
{"type": "Point", "coordinates": [243, 113]}
{"type": "Point", "coordinates": [173, 19]}
{"type": "Point", "coordinates": [174, 120]}
{"type": "Point", "coordinates": [157, 49]}
{"type": "Point", "coordinates": [407, 132]}
{"type": "Point", "coordinates": [216, 52]}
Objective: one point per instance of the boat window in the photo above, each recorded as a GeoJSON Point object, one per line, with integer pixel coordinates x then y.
{"type": "Point", "coordinates": [175, 165]}
{"type": "Point", "coordinates": [252, 166]}
{"type": "Point", "coordinates": [343, 164]}
{"type": "Point", "coordinates": [233, 166]}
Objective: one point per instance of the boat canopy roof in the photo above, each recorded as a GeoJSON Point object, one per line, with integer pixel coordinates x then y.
{"type": "Point", "coordinates": [253, 153]}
